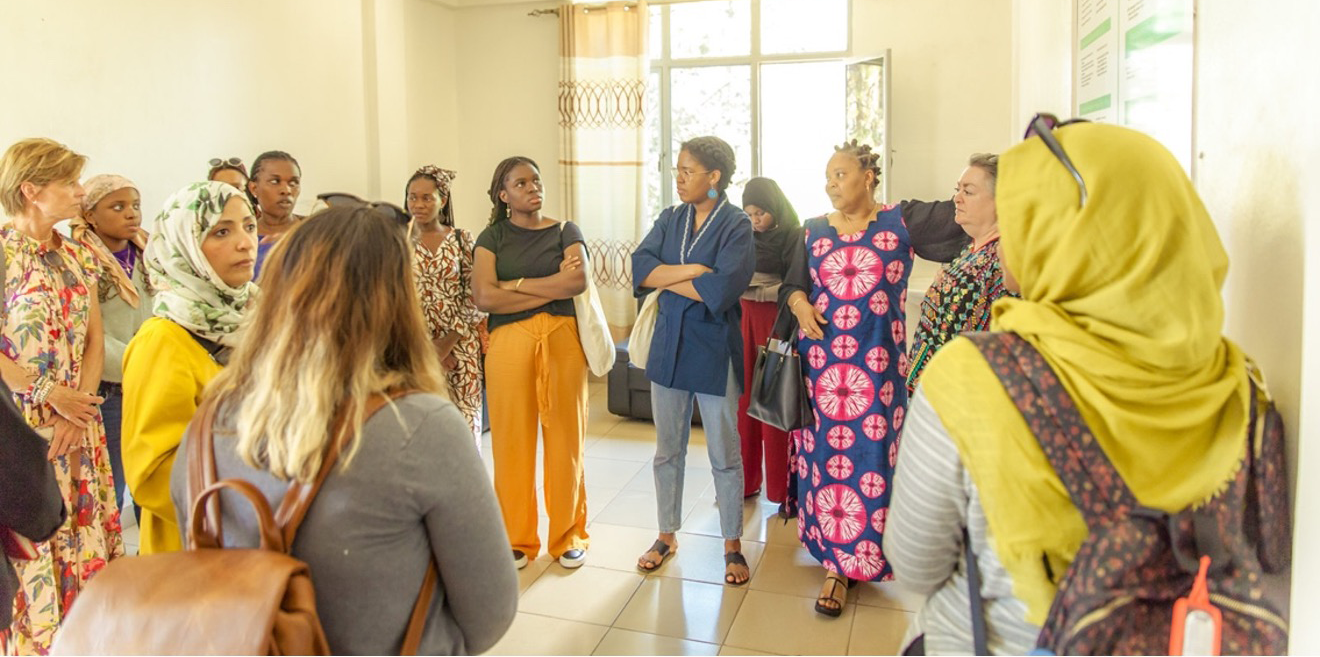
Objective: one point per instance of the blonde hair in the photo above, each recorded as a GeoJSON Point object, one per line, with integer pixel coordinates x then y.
{"type": "Point", "coordinates": [339, 320]}
{"type": "Point", "coordinates": [38, 161]}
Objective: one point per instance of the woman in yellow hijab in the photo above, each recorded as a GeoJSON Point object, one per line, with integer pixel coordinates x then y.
{"type": "Point", "coordinates": [1120, 270]}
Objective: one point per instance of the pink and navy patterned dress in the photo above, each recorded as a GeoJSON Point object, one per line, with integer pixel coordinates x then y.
{"type": "Point", "coordinates": [855, 375]}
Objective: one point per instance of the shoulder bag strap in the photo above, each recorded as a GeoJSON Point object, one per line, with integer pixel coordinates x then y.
{"type": "Point", "coordinates": [1094, 485]}
{"type": "Point", "coordinates": [979, 643]}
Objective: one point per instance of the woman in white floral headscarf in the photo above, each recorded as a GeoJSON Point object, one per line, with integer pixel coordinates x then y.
{"type": "Point", "coordinates": [200, 260]}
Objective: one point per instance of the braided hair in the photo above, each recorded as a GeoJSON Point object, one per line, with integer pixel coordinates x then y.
{"type": "Point", "coordinates": [261, 160]}
{"type": "Point", "coordinates": [500, 210]}
{"type": "Point", "coordinates": [869, 161]}
{"type": "Point", "coordinates": [714, 154]}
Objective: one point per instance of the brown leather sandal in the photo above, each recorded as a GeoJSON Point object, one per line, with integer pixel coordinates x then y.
{"type": "Point", "coordinates": [838, 595]}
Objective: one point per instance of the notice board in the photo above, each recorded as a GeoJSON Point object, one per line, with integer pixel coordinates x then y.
{"type": "Point", "coordinates": [1133, 66]}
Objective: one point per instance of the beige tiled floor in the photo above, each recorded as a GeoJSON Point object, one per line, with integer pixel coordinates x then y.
{"type": "Point", "coordinates": [609, 608]}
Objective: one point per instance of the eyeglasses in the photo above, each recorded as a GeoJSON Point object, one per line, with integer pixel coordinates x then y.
{"type": "Point", "coordinates": [53, 259]}
{"type": "Point", "coordinates": [684, 174]}
{"type": "Point", "coordinates": [1043, 125]}
{"type": "Point", "coordinates": [346, 200]}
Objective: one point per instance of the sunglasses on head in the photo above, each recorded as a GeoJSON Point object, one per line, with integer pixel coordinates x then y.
{"type": "Point", "coordinates": [53, 259]}
{"type": "Point", "coordinates": [346, 200]}
{"type": "Point", "coordinates": [1042, 125]}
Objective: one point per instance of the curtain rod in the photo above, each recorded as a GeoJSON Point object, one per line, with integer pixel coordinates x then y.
{"type": "Point", "coordinates": [555, 11]}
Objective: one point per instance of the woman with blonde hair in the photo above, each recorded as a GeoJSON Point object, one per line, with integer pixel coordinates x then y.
{"type": "Point", "coordinates": [203, 246]}
{"type": "Point", "coordinates": [409, 486]}
{"type": "Point", "coordinates": [51, 341]}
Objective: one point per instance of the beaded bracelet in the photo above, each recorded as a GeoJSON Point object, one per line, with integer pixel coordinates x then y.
{"type": "Point", "coordinates": [41, 389]}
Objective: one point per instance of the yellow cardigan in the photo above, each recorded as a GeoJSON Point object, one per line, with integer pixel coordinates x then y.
{"type": "Point", "coordinates": [165, 371]}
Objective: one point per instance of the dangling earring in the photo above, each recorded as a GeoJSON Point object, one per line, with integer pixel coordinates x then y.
{"type": "Point", "coordinates": [711, 193]}
{"type": "Point", "coordinates": [508, 211]}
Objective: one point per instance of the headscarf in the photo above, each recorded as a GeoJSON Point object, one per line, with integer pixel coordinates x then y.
{"type": "Point", "coordinates": [771, 245]}
{"type": "Point", "coordinates": [1122, 298]}
{"type": "Point", "coordinates": [97, 188]}
{"type": "Point", "coordinates": [190, 293]}
{"type": "Point", "coordinates": [444, 178]}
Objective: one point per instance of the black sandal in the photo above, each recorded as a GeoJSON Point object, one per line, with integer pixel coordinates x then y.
{"type": "Point", "coordinates": [661, 548]}
{"type": "Point", "coordinates": [735, 559]}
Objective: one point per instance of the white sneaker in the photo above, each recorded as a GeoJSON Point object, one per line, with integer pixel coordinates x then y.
{"type": "Point", "coordinates": [573, 558]}
{"type": "Point", "coordinates": [519, 559]}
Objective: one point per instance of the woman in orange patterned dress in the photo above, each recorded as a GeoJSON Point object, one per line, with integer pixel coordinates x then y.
{"type": "Point", "coordinates": [442, 265]}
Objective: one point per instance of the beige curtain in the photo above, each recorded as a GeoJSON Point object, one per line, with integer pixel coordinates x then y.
{"type": "Point", "coordinates": [602, 84]}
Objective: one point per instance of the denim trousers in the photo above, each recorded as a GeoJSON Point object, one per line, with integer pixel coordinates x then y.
{"type": "Point", "coordinates": [673, 426]}
{"type": "Point", "coordinates": [112, 414]}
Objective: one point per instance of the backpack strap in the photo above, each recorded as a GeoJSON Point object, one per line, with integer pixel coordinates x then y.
{"type": "Point", "coordinates": [201, 475]}
{"type": "Point", "coordinates": [293, 509]}
{"type": "Point", "coordinates": [1094, 485]}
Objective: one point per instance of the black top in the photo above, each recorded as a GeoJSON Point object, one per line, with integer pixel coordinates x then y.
{"type": "Point", "coordinates": [30, 500]}
{"type": "Point", "coordinates": [529, 253]}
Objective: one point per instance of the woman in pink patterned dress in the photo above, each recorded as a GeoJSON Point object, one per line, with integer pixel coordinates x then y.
{"type": "Point", "coordinates": [53, 350]}
{"type": "Point", "coordinates": [442, 265]}
{"type": "Point", "coordinates": [847, 287]}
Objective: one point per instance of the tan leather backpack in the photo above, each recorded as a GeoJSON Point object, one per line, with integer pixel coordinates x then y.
{"type": "Point", "coordinates": [212, 600]}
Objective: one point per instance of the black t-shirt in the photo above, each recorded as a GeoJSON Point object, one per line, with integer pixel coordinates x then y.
{"type": "Point", "coordinates": [529, 253]}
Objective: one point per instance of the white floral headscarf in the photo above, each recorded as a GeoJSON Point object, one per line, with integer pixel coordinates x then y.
{"type": "Point", "coordinates": [190, 293]}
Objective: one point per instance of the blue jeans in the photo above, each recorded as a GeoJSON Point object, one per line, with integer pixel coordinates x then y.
{"type": "Point", "coordinates": [112, 413]}
{"type": "Point", "coordinates": [673, 427]}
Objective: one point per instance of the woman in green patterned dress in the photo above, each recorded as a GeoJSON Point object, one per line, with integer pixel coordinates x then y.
{"type": "Point", "coordinates": [959, 299]}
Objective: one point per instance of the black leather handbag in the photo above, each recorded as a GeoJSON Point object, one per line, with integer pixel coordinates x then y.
{"type": "Point", "coordinates": [779, 390]}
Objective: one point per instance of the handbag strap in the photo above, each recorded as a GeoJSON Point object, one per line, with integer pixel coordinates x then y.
{"type": "Point", "coordinates": [202, 474]}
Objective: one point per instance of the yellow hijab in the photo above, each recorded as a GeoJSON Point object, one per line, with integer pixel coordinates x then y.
{"type": "Point", "coordinates": [1122, 298]}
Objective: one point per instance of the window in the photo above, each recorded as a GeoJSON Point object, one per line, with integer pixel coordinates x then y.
{"type": "Point", "coordinates": [767, 76]}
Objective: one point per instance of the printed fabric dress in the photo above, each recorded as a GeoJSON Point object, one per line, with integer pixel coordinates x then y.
{"type": "Point", "coordinates": [855, 374]}
{"type": "Point", "coordinates": [45, 331]}
{"type": "Point", "coordinates": [444, 283]}
{"type": "Point", "coordinates": [958, 301]}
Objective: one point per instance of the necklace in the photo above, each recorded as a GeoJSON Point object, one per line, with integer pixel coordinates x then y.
{"type": "Point", "coordinates": [684, 251]}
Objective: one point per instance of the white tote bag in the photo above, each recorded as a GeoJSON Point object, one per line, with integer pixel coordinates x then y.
{"type": "Point", "coordinates": [593, 328]}
{"type": "Point", "coordinates": [639, 340]}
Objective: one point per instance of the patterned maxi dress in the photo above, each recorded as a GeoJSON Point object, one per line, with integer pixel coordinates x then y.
{"type": "Point", "coordinates": [855, 375]}
{"type": "Point", "coordinates": [444, 283]}
{"type": "Point", "coordinates": [45, 330]}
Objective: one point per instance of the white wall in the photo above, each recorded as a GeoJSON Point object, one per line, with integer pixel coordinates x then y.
{"type": "Point", "coordinates": [1258, 154]}
{"type": "Point", "coordinates": [153, 90]}
{"type": "Point", "coordinates": [508, 74]}
{"type": "Point", "coordinates": [361, 92]}
{"type": "Point", "coordinates": [951, 88]}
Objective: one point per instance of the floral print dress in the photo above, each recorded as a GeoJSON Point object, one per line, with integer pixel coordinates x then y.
{"type": "Point", "coordinates": [855, 375]}
{"type": "Point", "coordinates": [444, 283]}
{"type": "Point", "coordinates": [47, 307]}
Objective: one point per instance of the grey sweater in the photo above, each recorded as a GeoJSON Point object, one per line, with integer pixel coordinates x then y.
{"type": "Point", "coordinates": [416, 487]}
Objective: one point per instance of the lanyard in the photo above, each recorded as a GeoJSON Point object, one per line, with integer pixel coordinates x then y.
{"type": "Point", "coordinates": [684, 251]}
